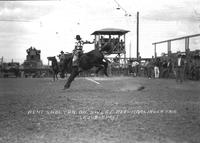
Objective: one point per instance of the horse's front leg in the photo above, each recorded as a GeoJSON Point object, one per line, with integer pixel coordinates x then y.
{"type": "Point", "coordinates": [71, 78]}
{"type": "Point", "coordinates": [57, 76]}
{"type": "Point", "coordinates": [54, 77]}
{"type": "Point", "coordinates": [99, 67]}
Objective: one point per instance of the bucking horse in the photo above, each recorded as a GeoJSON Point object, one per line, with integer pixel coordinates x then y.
{"type": "Point", "coordinates": [94, 58]}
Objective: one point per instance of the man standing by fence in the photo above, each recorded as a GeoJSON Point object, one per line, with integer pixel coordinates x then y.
{"type": "Point", "coordinates": [169, 67]}
{"type": "Point", "coordinates": [156, 68]}
{"type": "Point", "coordinates": [179, 65]}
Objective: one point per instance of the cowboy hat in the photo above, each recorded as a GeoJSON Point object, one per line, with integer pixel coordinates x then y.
{"type": "Point", "coordinates": [78, 37]}
{"type": "Point", "coordinates": [178, 53]}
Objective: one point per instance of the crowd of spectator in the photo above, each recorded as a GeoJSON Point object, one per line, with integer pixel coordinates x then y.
{"type": "Point", "coordinates": [178, 66]}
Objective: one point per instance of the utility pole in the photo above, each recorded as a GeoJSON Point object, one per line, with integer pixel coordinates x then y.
{"type": "Point", "coordinates": [137, 36]}
{"type": "Point", "coordinates": [2, 60]}
{"type": "Point", "coordinates": [130, 50]}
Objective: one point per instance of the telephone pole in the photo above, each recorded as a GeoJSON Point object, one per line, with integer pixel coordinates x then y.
{"type": "Point", "coordinates": [137, 36]}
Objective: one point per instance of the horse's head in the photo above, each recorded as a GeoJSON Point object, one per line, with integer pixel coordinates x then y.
{"type": "Point", "coordinates": [52, 58]}
{"type": "Point", "coordinates": [107, 47]}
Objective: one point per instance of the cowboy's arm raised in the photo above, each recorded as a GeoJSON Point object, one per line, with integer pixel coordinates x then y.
{"type": "Point", "coordinates": [88, 42]}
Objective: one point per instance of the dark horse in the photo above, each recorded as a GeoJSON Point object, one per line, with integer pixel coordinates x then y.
{"type": "Point", "coordinates": [55, 67]}
{"type": "Point", "coordinates": [94, 58]}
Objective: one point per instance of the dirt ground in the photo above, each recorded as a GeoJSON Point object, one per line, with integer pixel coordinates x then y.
{"type": "Point", "coordinates": [110, 110]}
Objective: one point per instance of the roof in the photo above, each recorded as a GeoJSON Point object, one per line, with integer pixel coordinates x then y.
{"type": "Point", "coordinates": [110, 31]}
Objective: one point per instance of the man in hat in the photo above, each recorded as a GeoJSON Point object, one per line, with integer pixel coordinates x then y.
{"type": "Point", "coordinates": [169, 67]}
{"type": "Point", "coordinates": [62, 56]}
{"type": "Point", "coordinates": [180, 65]}
{"type": "Point", "coordinates": [156, 68]}
{"type": "Point", "coordinates": [78, 50]}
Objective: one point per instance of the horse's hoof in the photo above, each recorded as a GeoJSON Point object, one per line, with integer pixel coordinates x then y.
{"type": "Point", "coordinates": [65, 88]}
{"type": "Point", "coordinates": [141, 88]}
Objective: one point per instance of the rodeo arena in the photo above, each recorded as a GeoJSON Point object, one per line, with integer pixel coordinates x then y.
{"type": "Point", "coordinates": [102, 96]}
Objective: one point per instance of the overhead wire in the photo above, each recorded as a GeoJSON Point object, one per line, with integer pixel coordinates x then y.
{"type": "Point", "coordinates": [14, 20]}
{"type": "Point", "coordinates": [120, 7]}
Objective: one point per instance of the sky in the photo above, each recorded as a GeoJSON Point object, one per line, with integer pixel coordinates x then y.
{"type": "Point", "coordinates": [51, 26]}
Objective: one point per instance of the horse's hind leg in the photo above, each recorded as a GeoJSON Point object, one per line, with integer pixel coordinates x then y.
{"type": "Point", "coordinates": [105, 68]}
{"type": "Point", "coordinates": [99, 67]}
{"type": "Point", "coordinates": [53, 76]}
{"type": "Point", "coordinates": [56, 76]}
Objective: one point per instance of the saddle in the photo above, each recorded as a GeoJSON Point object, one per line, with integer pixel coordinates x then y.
{"type": "Point", "coordinates": [76, 58]}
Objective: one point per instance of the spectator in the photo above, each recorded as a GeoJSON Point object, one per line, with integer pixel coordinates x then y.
{"type": "Point", "coordinates": [169, 67]}
{"type": "Point", "coordinates": [62, 56]}
{"type": "Point", "coordinates": [164, 68]}
{"type": "Point", "coordinates": [156, 68]}
{"type": "Point", "coordinates": [179, 65]}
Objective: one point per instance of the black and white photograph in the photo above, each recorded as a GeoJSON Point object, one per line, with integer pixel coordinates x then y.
{"type": "Point", "coordinates": [99, 71]}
